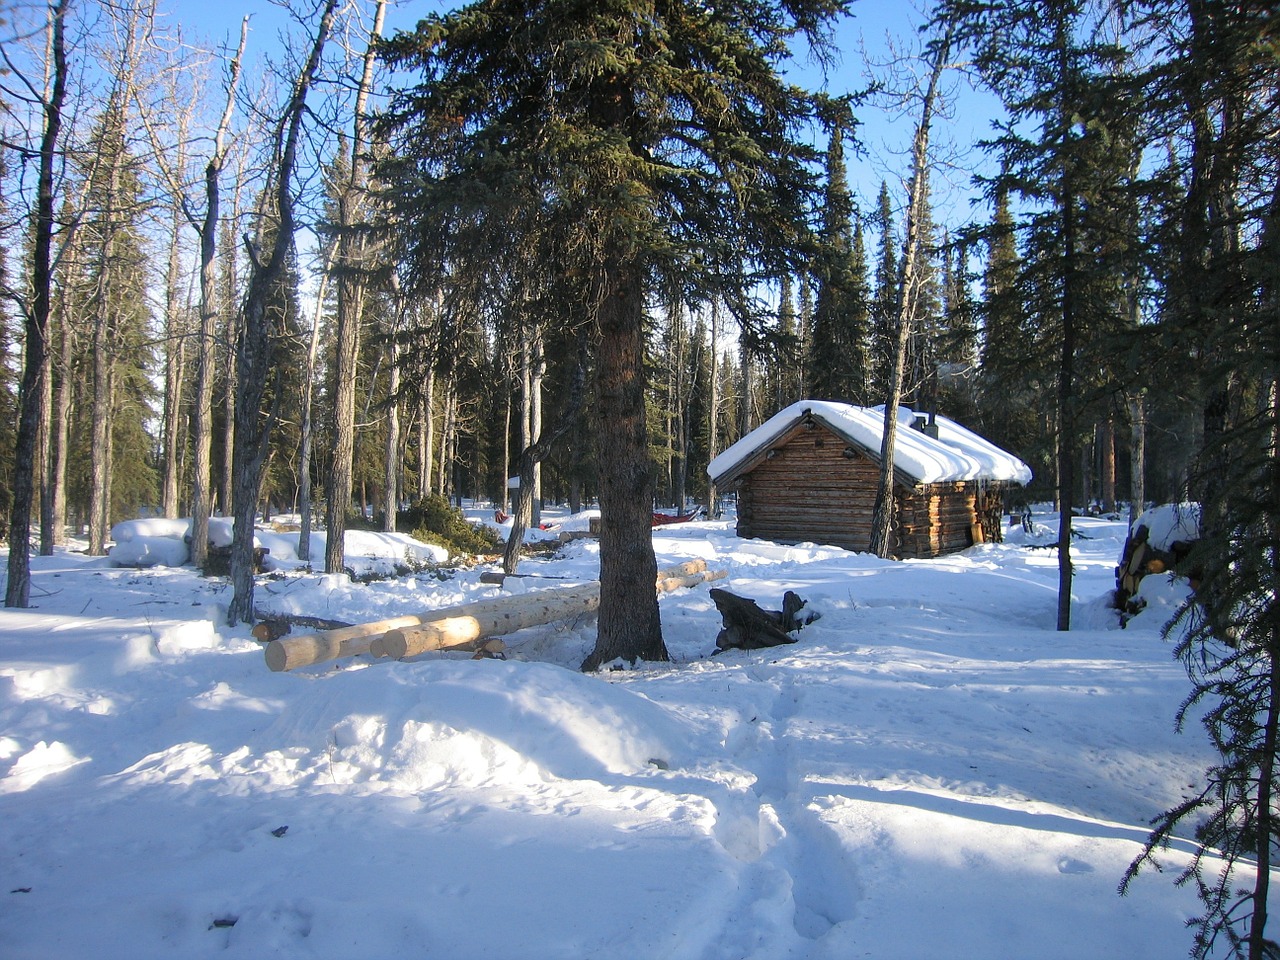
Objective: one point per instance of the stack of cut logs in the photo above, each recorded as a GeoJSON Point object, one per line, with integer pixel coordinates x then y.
{"type": "Point", "coordinates": [462, 626]}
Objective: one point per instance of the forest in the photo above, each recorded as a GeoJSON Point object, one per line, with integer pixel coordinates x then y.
{"type": "Point", "coordinates": [1102, 312]}
{"type": "Point", "coordinates": [438, 394]}
{"type": "Point", "coordinates": [594, 244]}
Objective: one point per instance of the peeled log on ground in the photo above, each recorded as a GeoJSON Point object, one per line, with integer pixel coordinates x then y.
{"type": "Point", "coordinates": [412, 634]}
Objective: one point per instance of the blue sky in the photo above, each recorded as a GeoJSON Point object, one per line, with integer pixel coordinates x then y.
{"type": "Point", "coordinates": [865, 41]}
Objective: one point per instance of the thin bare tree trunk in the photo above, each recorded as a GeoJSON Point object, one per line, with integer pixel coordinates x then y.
{"type": "Point", "coordinates": [537, 372]}
{"type": "Point", "coordinates": [175, 326]}
{"type": "Point", "coordinates": [307, 428]}
{"type": "Point", "coordinates": [174, 363]}
{"type": "Point", "coordinates": [44, 453]}
{"type": "Point", "coordinates": [505, 501]}
{"type": "Point", "coordinates": [426, 432]}
{"type": "Point", "coordinates": [351, 292]}
{"type": "Point", "coordinates": [253, 352]}
{"type": "Point", "coordinates": [713, 429]}
{"type": "Point", "coordinates": [882, 519]}
{"type": "Point", "coordinates": [202, 433]}
{"type": "Point", "coordinates": [61, 437]}
{"type": "Point", "coordinates": [1136, 403]}
{"type": "Point", "coordinates": [391, 461]}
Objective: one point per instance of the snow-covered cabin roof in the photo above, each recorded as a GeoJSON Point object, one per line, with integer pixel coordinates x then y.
{"type": "Point", "coordinates": [956, 454]}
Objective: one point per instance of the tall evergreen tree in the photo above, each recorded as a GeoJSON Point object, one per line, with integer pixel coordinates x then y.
{"type": "Point", "coordinates": [1213, 82]}
{"type": "Point", "coordinates": [639, 141]}
{"type": "Point", "coordinates": [883, 297]}
{"type": "Point", "coordinates": [1008, 364]}
{"type": "Point", "coordinates": [1054, 79]}
{"type": "Point", "coordinates": [838, 348]}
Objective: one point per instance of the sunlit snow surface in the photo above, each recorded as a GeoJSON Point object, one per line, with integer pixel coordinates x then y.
{"type": "Point", "coordinates": [931, 771]}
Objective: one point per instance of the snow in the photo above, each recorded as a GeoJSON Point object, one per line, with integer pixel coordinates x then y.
{"type": "Point", "coordinates": [159, 542]}
{"type": "Point", "coordinates": [956, 454]}
{"type": "Point", "coordinates": [930, 771]}
{"type": "Point", "coordinates": [1169, 523]}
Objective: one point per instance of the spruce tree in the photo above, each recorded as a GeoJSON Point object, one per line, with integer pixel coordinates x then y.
{"type": "Point", "coordinates": [838, 348]}
{"type": "Point", "coordinates": [634, 142]}
{"type": "Point", "coordinates": [883, 298]}
{"type": "Point", "coordinates": [1054, 77]}
{"type": "Point", "coordinates": [1220, 229]}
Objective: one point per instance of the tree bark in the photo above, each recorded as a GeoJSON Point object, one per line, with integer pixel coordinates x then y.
{"type": "Point", "coordinates": [713, 427]}
{"type": "Point", "coordinates": [391, 451]}
{"type": "Point", "coordinates": [18, 589]}
{"type": "Point", "coordinates": [905, 302]}
{"type": "Point", "coordinates": [351, 292]}
{"type": "Point", "coordinates": [537, 372]}
{"type": "Point", "coordinates": [202, 431]}
{"type": "Point", "coordinates": [629, 625]}
{"type": "Point", "coordinates": [307, 428]}
{"type": "Point", "coordinates": [61, 430]}
{"type": "Point", "coordinates": [1136, 404]}
{"type": "Point", "coordinates": [426, 431]}
{"type": "Point", "coordinates": [253, 348]}
{"type": "Point", "coordinates": [1066, 439]}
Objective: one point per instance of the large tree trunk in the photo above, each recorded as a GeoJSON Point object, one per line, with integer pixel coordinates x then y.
{"type": "Point", "coordinates": [629, 624]}
{"type": "Point", "coordinates": [1066, 201]}
{"type": "Point", "coordinates": [18, 590]}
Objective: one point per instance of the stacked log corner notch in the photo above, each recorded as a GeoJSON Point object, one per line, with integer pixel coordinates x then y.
{"type": "Point", "coordinates": [449, 627]}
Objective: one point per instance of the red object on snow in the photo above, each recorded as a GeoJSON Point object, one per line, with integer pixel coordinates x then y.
{"type": "Point", "coordinates": [661, 519]}
{"type": "Point", "coordinates": [500, 516]}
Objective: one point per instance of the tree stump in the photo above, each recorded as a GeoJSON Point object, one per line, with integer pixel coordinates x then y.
{"type": "Point", "coordinates": [748, 627]}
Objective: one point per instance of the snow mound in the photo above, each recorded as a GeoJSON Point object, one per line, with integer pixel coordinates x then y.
{"type": "Point", "coordinates": [159, 542]}
{"type": "Point", "coordinates": [144, 551]}
{"type": "Point", "coordinates": [1170, 523]}
{"type": "Point", "coordinates": [153, 527]}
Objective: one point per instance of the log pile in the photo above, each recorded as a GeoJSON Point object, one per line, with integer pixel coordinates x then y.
{"type": "Point", "coordinates": [458, 626]}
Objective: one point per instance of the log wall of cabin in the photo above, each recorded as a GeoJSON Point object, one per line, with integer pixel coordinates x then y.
{"type": "Point", "coordinates": [808, 490]}
{"type": "Point", "coordinates": [816, 488]}
{"type": "Point", "coordinates": [938, 518]}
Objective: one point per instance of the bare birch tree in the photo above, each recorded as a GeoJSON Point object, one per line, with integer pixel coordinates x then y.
{"type": "Point", "coordinates": [908, 282]}
{"type": "Point", "coordinates": [351, 290]}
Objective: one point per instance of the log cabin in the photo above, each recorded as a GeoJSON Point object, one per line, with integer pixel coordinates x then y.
{"type": "Point", "coordinates": [809, 474]}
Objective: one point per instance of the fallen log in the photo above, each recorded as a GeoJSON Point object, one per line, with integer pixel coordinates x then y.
{"type": "Point", "coordinates": [459, 625]}
{"type": "Point", "coordinates": [455, 626]}
{"type": "Point", "coordinates": [290, 652]}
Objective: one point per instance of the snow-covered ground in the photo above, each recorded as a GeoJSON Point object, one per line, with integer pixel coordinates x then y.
{"type": "Point", "coordinates": [930, 772]}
